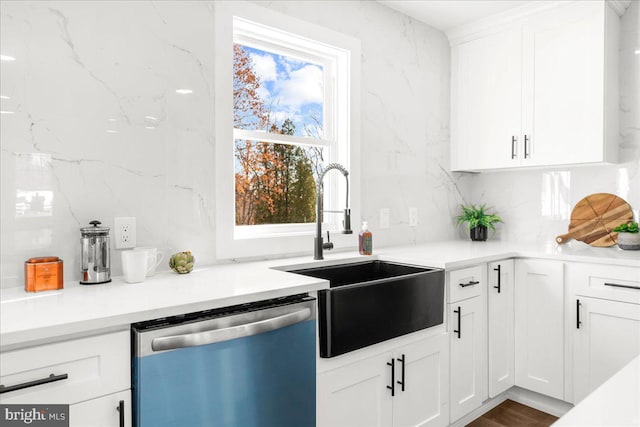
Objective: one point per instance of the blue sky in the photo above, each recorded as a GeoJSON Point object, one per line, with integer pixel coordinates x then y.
{"type": "Point", "coordinates": [290, 89]}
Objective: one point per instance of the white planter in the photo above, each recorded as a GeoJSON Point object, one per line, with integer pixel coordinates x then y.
{"type": "Point", "coordinates": [629, 241]}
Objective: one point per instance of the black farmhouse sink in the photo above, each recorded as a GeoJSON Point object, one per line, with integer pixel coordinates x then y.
{"type": "Point", "coordinates": [373, 301]}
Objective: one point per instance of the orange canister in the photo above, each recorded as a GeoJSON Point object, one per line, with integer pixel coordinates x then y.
{"type": "Point", "coordinates": [43, 274]}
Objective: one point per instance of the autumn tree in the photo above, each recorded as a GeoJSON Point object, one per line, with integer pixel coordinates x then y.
{"type": "Point", "coordinates": [274, 182]}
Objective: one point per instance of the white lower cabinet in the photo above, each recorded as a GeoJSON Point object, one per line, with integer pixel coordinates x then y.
{"type": "Point", "coordinates": [103, 411]}
{"type": "Point", "coordinates": [605, 340]}
{"type": "Point", "coordinates": [539, 326]}
{"type": "Point", "coordinates": [500, 321]}
{"type": "Point", "coordinates": [91, 374]}
{"type": "Point", "coordinates": [360, 393]}
{"type": "Point", "coordinates": [467, 337]}
{"type": "Point", "coordinates": [605, 320]}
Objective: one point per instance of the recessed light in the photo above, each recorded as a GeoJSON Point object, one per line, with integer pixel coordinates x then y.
{"type": "Point", "coordinates": [150, 117]}
{"type": "Point", "coordinates": [184, 91]}
{"type": "Point", "coordinates": [637, 52]}
{"type": "Point", "coordinates": [7, 112]}
{"type": "Point", "coordinates": [150, 127]}
{"type": "Point", "coordinates": [111, 120]}
{"type": "Point", "coordinates": [111, 131]}
{"type": "Point", "coordinates": [7, 58]}
{"type": "Point", "coordinates": [5, 97]}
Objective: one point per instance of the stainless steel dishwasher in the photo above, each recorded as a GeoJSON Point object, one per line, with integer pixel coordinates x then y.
{"type": "Point", "coordinates": [247, 365]}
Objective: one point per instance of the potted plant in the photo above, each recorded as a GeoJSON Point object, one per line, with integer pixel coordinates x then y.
{"type": "Point", "coordinates": [628, 236]}
{"type": "Point", "coordinates": [478, 220]}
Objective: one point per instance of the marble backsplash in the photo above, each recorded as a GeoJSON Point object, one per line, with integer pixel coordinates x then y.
{"type": "Point", "coordinates": [93, 128]}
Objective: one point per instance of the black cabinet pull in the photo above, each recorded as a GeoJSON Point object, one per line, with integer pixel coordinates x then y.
{"type": "Point", "coordinates": [578, 322]}
{"type": "Point", "coordinates": [615, 285]}
{"type": "Point", "coordinates": [498, 270]}
{"type": "Point", "coordinates": [459, 330]}
{"type": "Point", "coordinates": [471, 283]}
{"type": "Point", "coordinates": [526, 146]}
{"type": "Point", "coordinates": [120, 409]}
{"type": "Point", "coordinates": [51, 378]}
{"type": "Point", "coordinates": [514, 140]}
{"type": "Point", "coordinates": [401, 359]}
{"type": "Point", "coordinates": [392, 387]}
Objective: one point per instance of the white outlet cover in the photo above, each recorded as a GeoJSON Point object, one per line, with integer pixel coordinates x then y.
{"type": "Point", "coordinates": [124, 232]}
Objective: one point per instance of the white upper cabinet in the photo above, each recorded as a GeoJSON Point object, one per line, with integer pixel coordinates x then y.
{"type": "Point", "coordinates": [538, 90]}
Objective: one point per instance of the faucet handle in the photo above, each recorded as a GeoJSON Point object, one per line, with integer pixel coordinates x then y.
{"type": "Point", "coordinates": [328, 245]}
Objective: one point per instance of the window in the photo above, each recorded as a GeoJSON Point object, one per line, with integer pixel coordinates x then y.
{"type": "Point", "coordinates": [288, 85]}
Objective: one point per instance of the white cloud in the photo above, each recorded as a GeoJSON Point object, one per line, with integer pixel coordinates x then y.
{"type": "Point", "coordinates": [302, 87]}
{"type": "Point", "coordinates": [264, 66]}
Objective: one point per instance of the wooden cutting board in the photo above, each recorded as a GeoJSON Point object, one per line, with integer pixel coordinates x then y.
{"type": "Point", "coordinates": [593, 218]}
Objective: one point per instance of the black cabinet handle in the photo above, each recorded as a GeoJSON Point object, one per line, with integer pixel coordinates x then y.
{"type": "Point", "coordinates": [526, 146]}
{"type": "Point", "coordinates": [578, 322]}
{"type": "Point", "coordinates": [471, 283]}
{"type": "Point", "coordinates": [514, 141]}
{"type": "Point", "coordinates": [401, 359]}
{"type": "Point", "coordinates": [120, 409]}
{"type": "Point", "coordinates": [459, 330]}
{"type": "Point", "coordinates": [392, 387]}
{"type": "Point", "coordinates": [615, 285]}
{"type": "Point", "coordinates": [498, 270]}
{"type": "Point", "coordinates": [51, 378]}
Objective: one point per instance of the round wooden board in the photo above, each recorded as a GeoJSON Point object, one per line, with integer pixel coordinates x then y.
{"type": "Point", "coordinates": [593, 218]}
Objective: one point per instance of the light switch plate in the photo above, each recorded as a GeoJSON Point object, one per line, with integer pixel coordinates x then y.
{"type": "Point", "coordinates": [413, 217]}
{"type": "Point", "coordinates": [384, 218]}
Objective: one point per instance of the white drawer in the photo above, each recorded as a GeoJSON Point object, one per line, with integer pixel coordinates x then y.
{"type": "Point", "coordinates": [605, 281]}
{"type": "Point", "coordinates": [466, 283]}
{"type": "Point", "coordinates": [94, 366]}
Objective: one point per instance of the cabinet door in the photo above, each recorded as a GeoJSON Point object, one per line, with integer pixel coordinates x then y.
{"type": "Point", "coordinates": [486, 102]}
{"type": "Point", "coordinates": [467, 336]}
{"type": "Point", "coordinates": [563, 85]}
{"type": "Point", "coordinates": [102, 412]}
{"type": "Point", "coordinates": [539, 326]}
{"type": "Point", "coordinates": [608, 337]}
{"type": "Point", "coordinates": [423, 401]}
{"type": "Point", "coordinates": [500, 326]}
{"type": "Point", "coordinates": [356, 394]}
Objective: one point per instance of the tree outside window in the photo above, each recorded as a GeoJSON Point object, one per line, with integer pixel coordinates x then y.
{"type": "Point", "coordinates": [281, 98]}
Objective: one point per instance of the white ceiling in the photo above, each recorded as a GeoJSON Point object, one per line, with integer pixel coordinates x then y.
{"type": "Point", "coordinates": [447, 14]}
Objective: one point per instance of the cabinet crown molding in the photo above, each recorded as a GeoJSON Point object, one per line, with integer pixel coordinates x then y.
{"type": "Point", "coordinates": [500, 20]}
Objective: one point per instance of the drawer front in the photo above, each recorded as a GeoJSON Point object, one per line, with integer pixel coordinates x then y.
{"type": "Point", "coordinates": [611, 282]}
{"type": "Point", "coordinates": [67, 372]}
{"type": "Point", "coordinates": [466, 283]}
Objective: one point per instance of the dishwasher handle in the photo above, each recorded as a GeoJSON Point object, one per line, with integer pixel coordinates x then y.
{"type": "Point", "coordinates": [231, 333]}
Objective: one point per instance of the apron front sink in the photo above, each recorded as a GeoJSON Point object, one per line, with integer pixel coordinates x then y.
{"type": "Point", "coordinates": [373, 301]}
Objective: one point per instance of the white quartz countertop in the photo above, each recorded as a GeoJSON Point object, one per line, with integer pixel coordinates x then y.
{"type": "Point", "coordinates": [27, 318]}
{"type": "Point", "coordinates": [614, 403]}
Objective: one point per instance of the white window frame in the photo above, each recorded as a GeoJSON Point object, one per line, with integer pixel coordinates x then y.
{"type": "Point", "coordinates": [261, 28]}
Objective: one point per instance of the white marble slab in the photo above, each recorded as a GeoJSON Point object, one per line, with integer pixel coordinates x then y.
{"type": "Point", "coordinates": [81, 309]}
{"type": "Point", "coordinates": [614, 403]}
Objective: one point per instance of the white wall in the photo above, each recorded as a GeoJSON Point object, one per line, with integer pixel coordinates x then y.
{"type": "Point", "coordinates": [87, 75]}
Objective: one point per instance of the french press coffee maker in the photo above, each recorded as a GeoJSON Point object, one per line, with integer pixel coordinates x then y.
{"type": "Point", "coordinates": [96, 259]}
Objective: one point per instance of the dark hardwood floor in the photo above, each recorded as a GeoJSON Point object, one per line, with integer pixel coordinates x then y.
{"type": "Point", "coordinates": [512, 414]}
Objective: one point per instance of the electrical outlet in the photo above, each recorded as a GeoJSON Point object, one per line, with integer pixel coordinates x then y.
{"type": "Point", "coordinates": [125, 232]}
{"type": "Point", "coordinates": [413, 217]}
{"type": "Point", "coordinates": [384, 218]}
